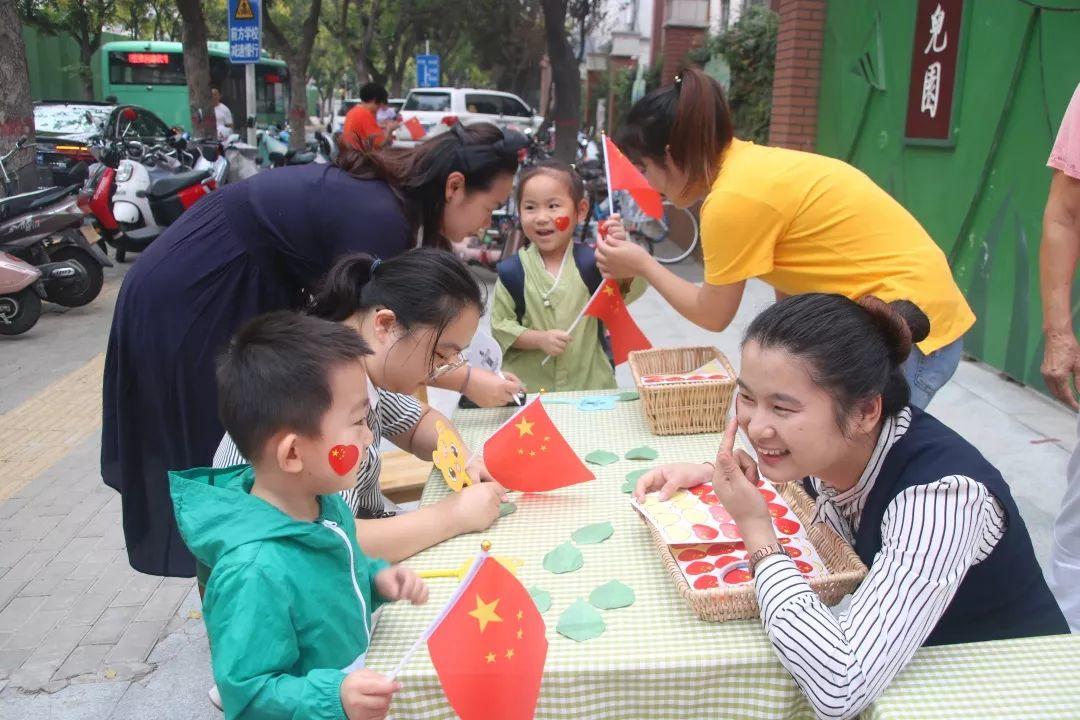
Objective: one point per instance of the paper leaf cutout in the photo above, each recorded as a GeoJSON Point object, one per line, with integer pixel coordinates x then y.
{"type": "Point", "coordinates": [631, 479]}
{"type": "Point", "coordinates": [627, 396]}
{"type": "Point", "coordinates": [601, 457]}
{"type": "Point", "coordinates": [593, 534]}
{"type": "Point", "coordinates": [612, 595]}
{"type": "Point", "coordinates": [542, 598]}
{"type": "Point", "coordinates": [507, 508]}
{"type": "Point", "coordinates": [597, 402]}
{"type": "Point", "coordinates": [642, 453]}
{"type": "Point", "coordinates": [563, 559]}
{"type": "Point", "coordinates": [580, 622]}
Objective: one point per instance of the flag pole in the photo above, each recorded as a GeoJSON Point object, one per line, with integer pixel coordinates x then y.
{"type": "Point", "coordinates": [607, 175]}
{"type": "Point", "coordinates": [577, 319]}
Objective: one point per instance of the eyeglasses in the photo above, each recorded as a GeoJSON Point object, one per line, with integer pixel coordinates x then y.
{"type": "Point", "coordinates": [448, 366]}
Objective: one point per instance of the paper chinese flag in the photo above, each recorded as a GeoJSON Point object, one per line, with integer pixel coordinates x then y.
{"type": "Point", "coordinates": [490, 646]}
{"type": "Point", "coordinates": [529, 453]}
{"type": "Point", "coordinates": [415, 128]}
{"type": "Point", "coordinates": [607, 305]}
{"type": "Point", "coordinates": [624, 176]}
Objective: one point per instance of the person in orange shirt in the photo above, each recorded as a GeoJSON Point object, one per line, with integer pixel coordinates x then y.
{"type": "Point", "coordinates": [361, 127]}
{"type": "Point", "coordinates": [801, 222]}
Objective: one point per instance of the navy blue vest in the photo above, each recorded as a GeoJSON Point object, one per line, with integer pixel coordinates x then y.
{"type": "Point", "coordinates": [1005, 596]}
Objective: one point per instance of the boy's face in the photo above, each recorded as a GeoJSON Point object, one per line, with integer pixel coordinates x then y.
{"type": "Point", "coordinates": [330, 461]}
{"type": "Point", "coordinates": [548, 214]}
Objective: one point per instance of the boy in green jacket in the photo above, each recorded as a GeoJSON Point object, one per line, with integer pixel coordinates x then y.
{"type": "Point", "coordinates": [289, 600]}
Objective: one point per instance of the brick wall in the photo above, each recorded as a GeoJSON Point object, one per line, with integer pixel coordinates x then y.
{"type": "Point", "coordinates": [798, 74]}
{"type": "Point", "coordinates": [678, 41]}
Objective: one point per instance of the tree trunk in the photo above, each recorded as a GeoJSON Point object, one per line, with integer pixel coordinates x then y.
{"type": "Point", "coordinates": [297, 58]}
{"type": "Point", "coordinates": [298, 114]}
{"type": "Point", "coordinates": [16, 107]}
{"type": "Point", "coordinates": [86, 73]}
{"type": "Point", "coordinates": [564, 73]}
{"type": "Point", "coordinates": [197, 68]}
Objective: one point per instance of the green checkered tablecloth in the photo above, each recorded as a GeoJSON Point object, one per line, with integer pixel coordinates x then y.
{"type": "Point", "coordinates": [656, 658]}
{"type": "Point", "coordinates": [1036, 678]}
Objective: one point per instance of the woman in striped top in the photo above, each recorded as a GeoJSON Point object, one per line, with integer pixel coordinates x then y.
{"type": "Point", "coordinates": [823, 400]}
{"type": "Point", "coordinates": [418, 312]}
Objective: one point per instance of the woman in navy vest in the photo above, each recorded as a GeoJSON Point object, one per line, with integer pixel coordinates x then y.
{"type": "Point", "coordinates": [822, 396]}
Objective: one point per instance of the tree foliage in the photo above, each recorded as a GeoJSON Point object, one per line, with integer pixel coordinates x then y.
{"type": "Point", "coordinates": [84, 20]}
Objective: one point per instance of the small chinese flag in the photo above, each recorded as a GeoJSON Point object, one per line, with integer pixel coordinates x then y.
{"type": "Point", "coordinates": [529, 454]}
{"type": "Point", "coordinates": [415, 128]}
{"type": "Point", "coordinates": [624, 176]}
{"type": "Point", "coordinates": [607, 305]}
{"type": "Point", "coordinates": [490, 647]}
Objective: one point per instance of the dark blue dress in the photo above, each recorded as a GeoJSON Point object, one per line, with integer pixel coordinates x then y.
{"type": "Point", "coordinates": [247, 249]}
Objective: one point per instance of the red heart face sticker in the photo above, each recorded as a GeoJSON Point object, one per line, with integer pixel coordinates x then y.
{"type": "Point", "coordinates": [343, 458]}
{"type": "Point", "coordinates": [705, 532]}
{"type": "Point", "coordinates": [723, 548]}
{"type": "Point", "coordinates": [769, 496]}
{"type": "Point", "coordinates": [776, 510]}
{"type": "Point", "coordinates": [793, 551]}
{"type": "Point", "coordinates": [738, 576]}
{"type": "Point", "coordinates": [720, 514]}
{"type": "Point", "coordinates": [562, 223]}
{"type": "Point", "coordinates": [786, 526]}
{"type": "Point", "coordinates": [706, 582]}
{"type": "Point", "coordinates": [699, 568]}
{"type": "Point", "coordinates": [804, 568]}
{"type": "Point", "coordinates": [691, 554]}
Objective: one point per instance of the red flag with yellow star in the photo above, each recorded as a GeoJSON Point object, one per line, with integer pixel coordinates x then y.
{"type": "Point", "coordinates": [528, 453]}
{"type": "Point", "coordinates": [607, 305]}
{"type": "Point", "coordinates": [490, 647]}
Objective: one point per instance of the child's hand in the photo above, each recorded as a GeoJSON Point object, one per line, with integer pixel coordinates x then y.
{"type": "Point", "coordinates": [669, 479]}
{"type": "Point", "coordinates": [476, 506]}
{"type": "Point", "coordinates": [554, 342]}
{"type": "Point", "coordinates": [366, 695]}
{"type": "Point", "coordinates": [613, 229]}
{"type": "Point", "coordinates": [621, 259]}
{"type": "Point", "coordinates": [400, 583]}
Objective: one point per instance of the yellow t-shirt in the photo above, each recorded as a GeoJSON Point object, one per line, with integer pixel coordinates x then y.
{"type": "Point", "coordinates": [809, 223]}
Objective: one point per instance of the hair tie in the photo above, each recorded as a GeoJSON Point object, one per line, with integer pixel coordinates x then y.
{"type": "Point", "coordinates": [374, 266]}
{"type": "Point", "coordinates": [678, 81]}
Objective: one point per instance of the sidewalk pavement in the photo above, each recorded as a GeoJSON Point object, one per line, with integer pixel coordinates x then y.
{"type": "Point", "coordinates": [84, 636]}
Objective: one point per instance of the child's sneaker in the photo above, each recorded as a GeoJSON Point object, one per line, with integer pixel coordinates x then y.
{"type": "Point", "coordinates": [215, 698]}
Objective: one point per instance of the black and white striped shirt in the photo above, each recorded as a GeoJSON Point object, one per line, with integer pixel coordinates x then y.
{"type": "Point", "coordinates": [931, 535]}
{"type": "Point", "coordinates": [390, 414]}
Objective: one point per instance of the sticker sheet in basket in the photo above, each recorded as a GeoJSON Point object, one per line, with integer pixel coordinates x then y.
{"type": "Point", "coordinates": [706, 541]}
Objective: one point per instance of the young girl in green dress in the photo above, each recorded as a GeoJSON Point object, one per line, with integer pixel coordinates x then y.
{"type": "Point", "coordinates": [542, 290]}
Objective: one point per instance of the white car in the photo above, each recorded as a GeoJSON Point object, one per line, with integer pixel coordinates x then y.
{"type": "Point", "coordinates": [439, 108]}
{"type": "Point", "coordinates": [338, 124]}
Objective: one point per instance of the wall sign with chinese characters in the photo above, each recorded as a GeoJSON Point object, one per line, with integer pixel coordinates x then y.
{"type": "Point", "coordinates": [934, 57]}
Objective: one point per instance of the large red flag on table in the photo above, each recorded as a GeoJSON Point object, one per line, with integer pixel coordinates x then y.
{"type": "Point", "coordinates": [489, 648]}
{"type": "Point", "coordinates": [622, 175]}
{"type": "Point", "coordinates": [607, 305]}
{"type": "Point", "coordinates": [415, 128]}
{"type": "Point", "coordinates": [528, 453]}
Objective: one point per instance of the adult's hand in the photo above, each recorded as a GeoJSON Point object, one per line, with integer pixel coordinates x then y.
{"type": "Point", "coordinates": [1061, 367]}
{"type": "Point", "coordinates": [487, 389]}
{"type": "Point", "coordinates": [621, 259]}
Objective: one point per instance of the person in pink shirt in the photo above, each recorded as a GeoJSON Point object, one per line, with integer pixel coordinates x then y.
{"type": "Point", "coordinates": [1058, 256]}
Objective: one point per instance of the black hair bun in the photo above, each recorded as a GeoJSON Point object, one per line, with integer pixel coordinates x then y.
{"type": "Point", "coordinates": [901, 323]}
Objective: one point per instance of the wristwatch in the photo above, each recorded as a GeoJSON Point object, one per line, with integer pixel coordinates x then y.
{"type": "Point", "coordinates": [764, 552]}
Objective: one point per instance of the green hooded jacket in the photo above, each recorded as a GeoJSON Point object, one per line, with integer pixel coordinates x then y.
{"type": "Point", "coordinates": [288, 603]}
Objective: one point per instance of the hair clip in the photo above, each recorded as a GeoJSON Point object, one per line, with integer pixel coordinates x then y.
{"type": "Point", "coordinates": [374, 266]}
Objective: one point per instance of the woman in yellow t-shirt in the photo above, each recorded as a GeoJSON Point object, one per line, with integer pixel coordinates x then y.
{"type": "Point", "coordinates": [799, 221]}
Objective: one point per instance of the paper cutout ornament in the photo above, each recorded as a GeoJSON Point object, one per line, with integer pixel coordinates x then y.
{"type": "Point", "coordinates": [449, 458]}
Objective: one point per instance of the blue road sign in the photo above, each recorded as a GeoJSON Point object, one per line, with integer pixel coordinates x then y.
{"type": "Point", "coordinates": [427, 71]}
{"type": "Point", "coordinates": [245, 30]}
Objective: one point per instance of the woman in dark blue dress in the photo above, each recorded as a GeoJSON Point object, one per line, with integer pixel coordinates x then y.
{"type": "Point", "coordinates": [254, 247]}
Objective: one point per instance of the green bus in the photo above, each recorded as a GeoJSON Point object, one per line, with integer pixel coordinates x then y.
{"type": "Point", "coordinates": [151, 74]}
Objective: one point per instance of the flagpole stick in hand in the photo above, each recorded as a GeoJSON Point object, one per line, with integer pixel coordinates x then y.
{"type": "Point", "coordinates": [576, 321]}
{"type": "Point", "coordinates": [607, 174]}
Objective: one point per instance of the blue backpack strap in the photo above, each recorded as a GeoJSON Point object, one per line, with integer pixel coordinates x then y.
{"type": "Point", "coordinates": [512, 276]}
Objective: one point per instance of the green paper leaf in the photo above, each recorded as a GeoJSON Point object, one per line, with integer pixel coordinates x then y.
{"type": "Point", "coordinates": [542, 598]}
{"type": "Point", "coordinates": [631, 479]}
{"type": "Point", "coordinates": [593, 534]}
{"type": "Point", "coordinates": [612, 595]}
{"type": "Point", "coordinates": [642, 453]}
{"type": "Point", "coordinates": [601, 457]}
{"type": "Point", "coordinates": [558, 401]}
{"type": "Point", "coordinates": [580, 622]}
{"type": "Point", "coordinates": [507, 508]}
{"type": "Point", "coordinates": [627, 396]}
{"type": "Point", "coordinates": [563, 559]}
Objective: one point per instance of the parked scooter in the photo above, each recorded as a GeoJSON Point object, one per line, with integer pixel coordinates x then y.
{"type": "Point", "coordinates": [43, 228]}
{"type": "Point", "coordinates": [274, 149]}
{"type": "Point", "coordinates": [22, 288]}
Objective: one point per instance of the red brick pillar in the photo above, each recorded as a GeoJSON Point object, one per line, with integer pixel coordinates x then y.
{"type": "Point", "coordinates": [678, 42]}
{"type": "Point", "coordinates": [798, 74]}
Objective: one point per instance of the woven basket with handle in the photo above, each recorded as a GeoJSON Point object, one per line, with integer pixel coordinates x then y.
{"type": "Point", "coordinates": [683, 408]}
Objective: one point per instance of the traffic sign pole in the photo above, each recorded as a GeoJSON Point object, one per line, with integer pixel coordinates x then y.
{"type": "Point", "coordinates": [249, 102]}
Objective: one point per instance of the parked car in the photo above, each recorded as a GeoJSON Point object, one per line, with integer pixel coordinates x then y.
{"type": "Point", "coordinates": [63, 131]}
{"type": "Point", "coordinates": [439, 108]}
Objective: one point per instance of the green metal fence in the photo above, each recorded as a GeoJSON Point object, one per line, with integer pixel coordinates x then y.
{"type": "Point", "coordinates": [982, 198]}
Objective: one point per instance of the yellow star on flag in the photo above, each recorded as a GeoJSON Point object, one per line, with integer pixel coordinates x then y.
{"type": "Point", "coordinates": [608, 290]}
{"type": "Point", "coordinates": [520, 615]}
{"type": "Point", "coordinates": [490, 657]}
{"type": "Point", "coordinates": [485, 612]}
{"type": "Point", "coordinates": [520, 634]}
{"type": "Point", "coordinates": [524, 427]}
{"type": "Point", "coordinates": [510, 654]}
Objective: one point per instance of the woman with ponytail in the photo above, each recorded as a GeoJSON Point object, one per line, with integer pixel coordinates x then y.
{"type": "Point", "coordinates": [417, 330]}
{"type": "Point", "coordinates": [798, 221]}
{"type": "Point", "coordinates": [823, 400]}
{"type": "Point", "coordinates": [254, 247]}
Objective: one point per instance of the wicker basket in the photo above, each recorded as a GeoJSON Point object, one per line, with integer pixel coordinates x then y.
{"type": "Point", "coordinates": [683, 408]}
{"type": "Point", "coordinates": [845, 568]}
